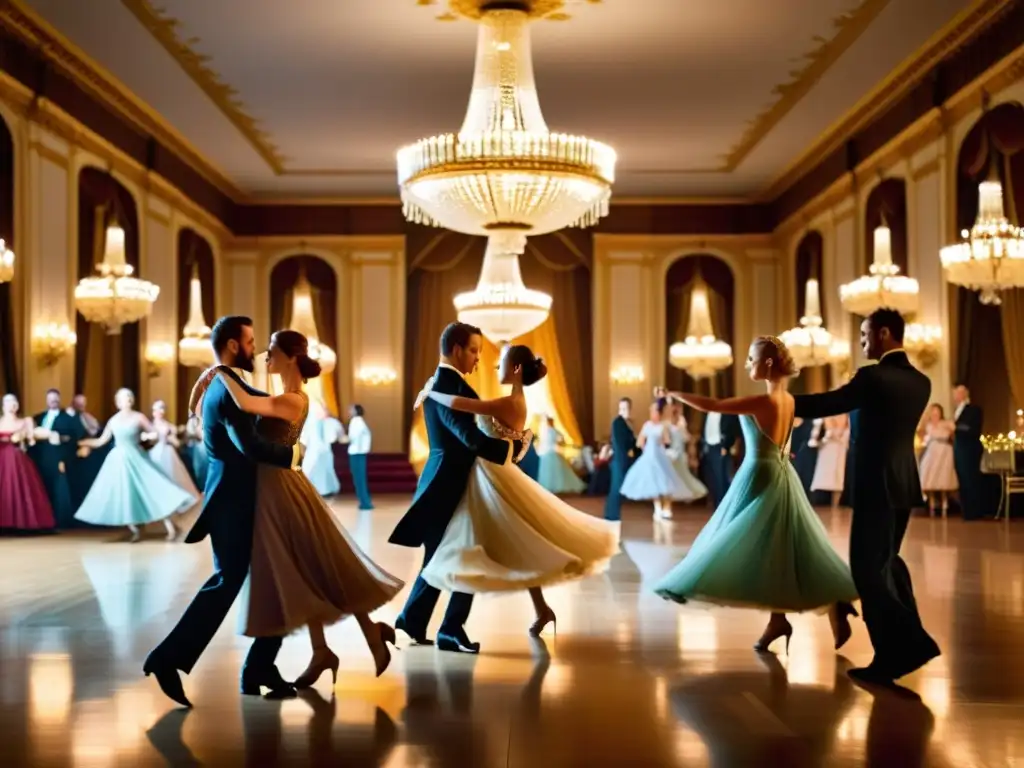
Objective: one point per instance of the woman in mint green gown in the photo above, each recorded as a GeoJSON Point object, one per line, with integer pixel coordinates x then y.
{"type": "Point", "coordinates": [765, 546]}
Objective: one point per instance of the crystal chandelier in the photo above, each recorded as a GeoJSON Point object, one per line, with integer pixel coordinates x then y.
{"type": "Point", "coordinates": [990, 257]}
{"type": "Point", "coordinates": [504, 175]}
{"type": "Point", "coordinates": [922, 342]}
{"type": "Point", "coordinates": [700, 354]}
{"type": "Point", "coordinates": [6, 262]}
{"type": "Point", "coordinates": [114, 298]}
{"type": "Point", "coordinates": [809, 343]}
{"type": "Point", "coordinates": [884, 286]}
{"type": "Point", "coordinates": [304, 322]}
{"type": "Point", "coordinates": [194, 350]}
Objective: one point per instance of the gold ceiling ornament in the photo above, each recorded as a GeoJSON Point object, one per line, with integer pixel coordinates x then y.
{"type": "Point", "coordinates": [474, 10]}
{"type": "Point", "coordinates": [504, 175]}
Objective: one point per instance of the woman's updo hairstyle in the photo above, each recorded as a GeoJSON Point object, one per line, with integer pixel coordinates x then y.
{"type": "Point", "coordinates": [296, 346]}
{"type": "Point", "coordinates": [533, 367]}
{"type": "Point", "coordinates": [661, 404]}
{"type": "Point", "coordinates": [777, 351]}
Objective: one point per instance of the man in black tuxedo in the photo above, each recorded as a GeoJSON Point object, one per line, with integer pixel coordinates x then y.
{"type": "Point", "coordinates": [55, 456]}
{"type": "Point", "coordinates": [889, 398]}
{"type": "Point", "coordinates": [455, 443]}
{"type": "Point", "coordinates": [717, 440]}
{"type": "Point", "coordinates": [967, 452]}
{"type": "Point", "coordinates": [623, 452]}
{"type": "Point", "coordinates": [227, 518]}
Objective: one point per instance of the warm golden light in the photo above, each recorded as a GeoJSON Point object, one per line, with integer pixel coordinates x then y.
{"type": "Point", "coordinates": [628, 374]}
{"type": "Point", "coordinates": [194, 350]}
{"type": "Point", "coordinates": [158, 356]}
{"type": "Point", "coordinates": [51, 341]}
{"type": "Point", "coordinates": [810, 343]}
{"type": "Point", "coordinates": [377, 377]}
{"type": "Point", "coordinates": [114, 298]}
{"type": "Point", "coordinates": [6, 262]}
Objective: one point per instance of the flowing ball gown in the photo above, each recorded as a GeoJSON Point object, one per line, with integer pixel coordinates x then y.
{"type": "Point", "coordinates": [319, 437]}
{"type": "Point", "coordinates": [653, 475]}
{"type": "Point", "coordinates": [509, 533]}
{"type": "Point", "coordinates": [165, 456]}
{"type": "Point", "coordinates": [24, 505]}
{"type": "Point", "coordinates": [938, 471]}
{"type": "Point", "coordinates": [765, 546]}
{"type": "Point", "coordinates": [681, 462]}
{"type": "Point", "coordinates": [130, 488]}
{"type": "Point", "coordinates": [554, 472]}
{"type": "Point", "coordinates": [830, 470]}
{"type": "Point", "coordinates": [305, 566]}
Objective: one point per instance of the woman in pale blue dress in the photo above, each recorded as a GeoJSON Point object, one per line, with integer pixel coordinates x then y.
{"type": "Point", "coordinates": [130, 489]}
{"type": "Point", "coordinates": [680, 438]}
{"type": "Point", "coordinates": [554, 472]}
{"type": "Point", "coordinates": [319, 435]}
{"type": "Point", "coordinates": [653, 476]}
{"type": "Point", "coordinates": [765, 546]}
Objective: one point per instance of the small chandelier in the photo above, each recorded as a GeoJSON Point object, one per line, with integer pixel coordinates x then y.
{"type": "Point", "coordinates": [501, 305]}
{"type": "Point", "coordinates": [700, 354]}
{"type": "Point", "coordinates": [304, 322]}
{"type": "Point", "coordinates": [6, 262]}
{"type": "Point", "coordinates": [922, 343]}
{"type": "Point", "coordinates": [809, 343]}
{"type": "Point", "coordinates": [884, 286]}
{"type": "Point", "coordinates": [114, 298]}
{"type": "Point", "coordinates": [990, 257]}
{"type": "Point", "coordinates": [194, 350]}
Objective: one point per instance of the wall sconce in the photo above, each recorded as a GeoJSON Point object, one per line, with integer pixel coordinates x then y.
{"type": "Point", "coordinates": [377, 377]}
{"type": "Point", "coordinates": [628, 374]}
{"type": "Point", "coordinates": [158, 356]}
{"type": "Point", "coordinates": [51, 341]}
{"type": "Point", "coordinates": [6, 262]}
{"type": "Point", "coordinates": [922, 343]}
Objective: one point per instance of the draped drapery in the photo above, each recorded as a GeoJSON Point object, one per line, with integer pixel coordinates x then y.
{"type": "Point", "coordinates": [443, 263]}
{"type": "Point", "coordinates": [680, 280]}
{"type": "Point", "coordinates": [989, 342]}
{"type": "Point", "coordinates": [324, 291]}
{"type": "Point", "coordinates": [9, 382]}
{"type": "Point", "coordinates": [193, 249]}
{"type": "Point", "coordinates": [105, 362]}
{"type": "Point", "coordinates": [810, 253]}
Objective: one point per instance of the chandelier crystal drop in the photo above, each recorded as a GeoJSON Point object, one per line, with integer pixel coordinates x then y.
{"type": "Point", "coordinates": [810, 343]}
{"type": "Point", "coordinates": [6, 262]}
{"type": "Point", "coordinates": [194, 350]}
{"type": "Point", "coordinates": [303, 321]}
{"type": "Point", "coordinates": [884, 286]}
{"type": "Point", "coordinates": [990, 257]}
{"type": "Point", "coordinates": [700, 354]}
{"type": "Point", "coordinates": [501, 305]}
{"type": "Point", "coordinates": [114, 298]}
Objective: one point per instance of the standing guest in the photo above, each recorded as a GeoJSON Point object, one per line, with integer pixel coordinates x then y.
{"type": "Point", "coordinates": [319, 435]}
{"type": "Point", "coordinates": [804, 450]}
{"type": "Point", "coordinates": [830, 470]}
{"type": "Point", "coordinates": [83, 470]}
{"type": "Point", "coordinates": [165, 453]}
{"type": "Point", "coordinates": [601, 477]}
{"type": "Point", "coordinates": [80, 410]}
{"type": "Point", "coordinates": [623, 449]}
{"type": "Point", "coordinates": [653, 477]}
{"type": "Point", "coordinates": [23, 502]}
{"type": "Point", "coordinates": [57, 436]}
{"type": "Point", "coordinates": [359, 442]}
{"type": "Point", "coordinates": [680, 433]}
{"type": "Point", "coordinates": [717, 441]}
{"type": "Point", "coordinates": [938, 474]}
{"type": "Point", "coordinates": [967, 452]}
{"type": "Point", "coordinates": [556, 474]}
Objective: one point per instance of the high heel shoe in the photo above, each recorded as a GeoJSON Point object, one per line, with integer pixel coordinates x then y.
{"type": "Point", "coordinates": [782, 629]}
{"type": "Point", "coordinates": [323, 659]}
{"type": "Point", "coordinates": [839, 618]}
{"type": "Point", "coordinates": [381, 653]}
{"type": "Point", "coordinates": [542, 621]}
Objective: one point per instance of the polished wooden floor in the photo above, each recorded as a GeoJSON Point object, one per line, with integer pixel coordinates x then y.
{"type": "Point", "coordinates": [629, 679]}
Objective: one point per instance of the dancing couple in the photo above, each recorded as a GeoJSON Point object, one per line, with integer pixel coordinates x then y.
{"type": "Point", "coordinates": [269, 528]}
{"type": "Point", "coordinates": [766, 547]}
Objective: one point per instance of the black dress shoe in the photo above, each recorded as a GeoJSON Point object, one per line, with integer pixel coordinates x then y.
{"type": "Point", "coordinates": [168, 679]}
{"type": "Point", "coordinates": [420, 639]}
{"type": "Point", "coordinates": [456, 642]}
{"type": "Point", "coordinates": [255, 680]}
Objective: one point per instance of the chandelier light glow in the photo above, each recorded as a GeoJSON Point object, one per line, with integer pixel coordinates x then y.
{"type": "Point", "coordinates": [810, 343]}
{"type": "Point", "coordinates": [700, 354]}
{"type": "Point", "coordinates": [114, 298]}
{"type": "Point", "coordinates": [884, 286]}
{"type": "Point", "coordinates": [194, 350]}
{"type": "Point", "coordinates": [304, 322]}
{"type": "Point", "coordinates": [990, 257]}
{"type": "Point", "coordinates": [6, 262]}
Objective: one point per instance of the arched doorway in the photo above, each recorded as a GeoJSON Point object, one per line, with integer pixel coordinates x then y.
{"type": "Point", "coordinates": [195, 256]}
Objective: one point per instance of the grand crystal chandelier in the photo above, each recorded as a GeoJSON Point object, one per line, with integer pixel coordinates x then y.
{"type": "Point", "coordinates": [6, 262]}
{"type": "Point", "coordinates": [810, 343]}
{"type": "Point", "coordinates": [990, 257]}
{"type": "Point", "coordinates": [303, 321]}
{"type": "Point", "coordinates": [700, 354]}
{"type": "Point", "coordinates": [505, 175]}
{"type": "Point", "coordinates": [194, 350]}
{"type": "Point", "coordinates": [113, 297]}
{"type": "Point", "coordinates": [884, 286]}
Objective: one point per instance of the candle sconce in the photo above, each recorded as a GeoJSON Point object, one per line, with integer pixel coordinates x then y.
{"type": "Point", "coordinates": [51, 341]}
{"type": "Point", "coordinates": [158, 356]}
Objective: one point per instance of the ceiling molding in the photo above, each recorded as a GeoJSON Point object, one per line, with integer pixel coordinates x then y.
{"type": "Point", "coordinates": [164, 29]}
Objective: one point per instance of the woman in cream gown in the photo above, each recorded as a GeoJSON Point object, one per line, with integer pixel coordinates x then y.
{"type": "Point", "coordinates": [509, 533]}
{"type": "Point", "coordinates": [306, 570]}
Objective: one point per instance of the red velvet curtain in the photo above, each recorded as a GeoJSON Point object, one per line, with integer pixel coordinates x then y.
{"type": "Point", "coordinates": [105, 362]}
{"type": "Point", "coordinates": [193, 250]}
{"type": "Point", "coordinates": [810, 255]}
{"type": "Point", "coordinates": [9, 381]}
{"type": "Point", "coordinates": [889, 200]}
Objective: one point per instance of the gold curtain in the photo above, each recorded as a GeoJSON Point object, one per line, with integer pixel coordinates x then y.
{"type": "Point", "coordinates": [1013, 300]}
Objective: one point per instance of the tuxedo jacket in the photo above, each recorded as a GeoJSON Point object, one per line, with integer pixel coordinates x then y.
{"type": "Point", "coordinates": [623, 443]}
{"type": "Point", "coordinates": [889, 399]}
{"type": "Point", "coordinates": [967, 442]}
{"type": "Point", "coordinates": [729, 426]}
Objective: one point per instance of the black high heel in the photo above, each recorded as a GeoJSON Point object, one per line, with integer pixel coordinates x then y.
{"type": "Point", "coordinates": [542, 621]}
{"type": "Point", "coordinates": [387, 635]}
{"type": "Point", "coordinates": [839, 618]}
{"type": "Point", "coordinates": [785, 630]}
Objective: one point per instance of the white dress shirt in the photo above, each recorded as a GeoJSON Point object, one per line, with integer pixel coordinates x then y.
{"type": "Point", "coordinates": [359, 437]}
{"type": "Point", "coordinates": [713, 429]}
{"type": "Point", "coordinates": [960, 409]}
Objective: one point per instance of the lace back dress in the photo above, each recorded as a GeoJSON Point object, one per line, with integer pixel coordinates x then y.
{"type": "Point", "coordinates": [509, 533]}
{"type": "Point", "coordinates": [765, 546]}
{"type": "Point", "coordinates": [305, 566]}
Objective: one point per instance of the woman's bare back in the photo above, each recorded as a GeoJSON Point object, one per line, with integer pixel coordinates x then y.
{"type": "Point", "coordinates": [775, 417]}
